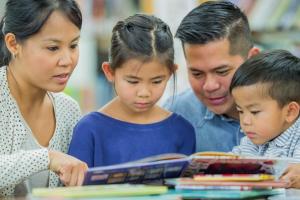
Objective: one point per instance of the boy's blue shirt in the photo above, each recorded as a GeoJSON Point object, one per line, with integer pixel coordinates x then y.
{"type": "Point", "coordinates": [213, 132]}
{"type": "Point", "coordinates": [100, 140]}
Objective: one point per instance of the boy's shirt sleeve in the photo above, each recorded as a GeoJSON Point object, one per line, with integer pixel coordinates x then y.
{"type": "Point", "coordinates": [246, 147]}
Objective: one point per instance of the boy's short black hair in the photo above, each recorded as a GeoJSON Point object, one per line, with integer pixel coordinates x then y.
{"type": "Point", "coordinates": [279, 69]}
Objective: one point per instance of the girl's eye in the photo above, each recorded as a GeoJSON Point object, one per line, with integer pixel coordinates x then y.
{"type": "Point", "coordinates": [132, 82]}
{"type": "Point", "coordinates": [54, 48]}
{"type": "Point", "coordinates": [157, 82]}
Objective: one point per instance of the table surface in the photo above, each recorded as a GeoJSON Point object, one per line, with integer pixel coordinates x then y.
{"type": "Point", "coordinates": [290, 194]}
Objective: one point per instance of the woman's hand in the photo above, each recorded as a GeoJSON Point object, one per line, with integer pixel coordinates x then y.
{"type": "Point", "coordinates": [70, 170]}
{"type": "Point", "coordinates": [292, 175]}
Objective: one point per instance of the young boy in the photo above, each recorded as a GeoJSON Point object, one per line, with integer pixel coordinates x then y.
{"type": "Point", "coordinates": [267, 96]}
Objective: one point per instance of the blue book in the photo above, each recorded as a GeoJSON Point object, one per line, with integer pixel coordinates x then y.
{"type": "Point", "coordinates": [177, 165]}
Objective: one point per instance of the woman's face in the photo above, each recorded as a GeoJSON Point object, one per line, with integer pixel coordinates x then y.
{"type": "Point", "coordinates": [47, 59]}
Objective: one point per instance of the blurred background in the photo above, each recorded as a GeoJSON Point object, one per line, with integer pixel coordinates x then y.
{"type": "Point", "coordinates": [275, 24]}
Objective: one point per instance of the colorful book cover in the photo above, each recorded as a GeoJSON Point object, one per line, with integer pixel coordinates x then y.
{"type": "Point", "coordinates": [226, 194]}
{"type": "Point", "coordinates": [234, 177]}
{"type": "Point", "coordinates": [177, 165]}
{"type": "Point", "coordinates": [192, 184]}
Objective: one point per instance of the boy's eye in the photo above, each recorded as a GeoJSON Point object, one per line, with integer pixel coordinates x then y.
{"type": "Point", "coordinates": [254, 112]}
{"type": "Point", "coordinates": [240, 111]}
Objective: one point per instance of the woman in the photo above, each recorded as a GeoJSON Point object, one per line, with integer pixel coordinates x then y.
{"type": "Point", "coordinates": [39, 51]}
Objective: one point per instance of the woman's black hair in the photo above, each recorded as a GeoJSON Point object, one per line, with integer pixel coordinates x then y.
{"type": "Point", "coordinates": [25, 18]}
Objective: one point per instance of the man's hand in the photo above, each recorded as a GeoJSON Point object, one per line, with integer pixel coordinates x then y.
{"type": "Point", "coordinates": [292, 175]}
{"type": "Point", "coordinates": [70, 170]}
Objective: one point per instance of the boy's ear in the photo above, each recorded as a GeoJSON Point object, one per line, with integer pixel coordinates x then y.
{"type": "Point", "coordinates": [293, 111]}
{"type": "Point", "coordinates": [252, 52]}
{"type": "Point", "coordinates": [11, 43]}
{"type": "Point", "coordinates": [109, 74]}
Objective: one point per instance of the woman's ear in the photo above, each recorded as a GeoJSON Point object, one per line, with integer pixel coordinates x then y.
{"type": "Point", "coordinates": [109, 74]}
{"type": "Point", "coordinates": [11, 44]}
{"type": "Point", "coordinates": [292, 111]}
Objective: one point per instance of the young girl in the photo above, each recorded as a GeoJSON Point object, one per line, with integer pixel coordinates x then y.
{"type": "Point", "coordinates": [131, 126]}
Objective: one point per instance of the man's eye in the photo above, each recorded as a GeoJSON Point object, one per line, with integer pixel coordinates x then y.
{"type": "Point", "coordinates": [197, 74]}
{"type": "Point", "coordinates": [222, 72]}
{"type": "Point", "coordinates": [52, 48]}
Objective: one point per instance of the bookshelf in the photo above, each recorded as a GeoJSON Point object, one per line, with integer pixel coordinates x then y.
{"type": "Point", "coordinates": [275, 23]}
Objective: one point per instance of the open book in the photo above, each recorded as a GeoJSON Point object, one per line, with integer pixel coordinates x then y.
{"type": "Point", "coordinates": [178, 165]}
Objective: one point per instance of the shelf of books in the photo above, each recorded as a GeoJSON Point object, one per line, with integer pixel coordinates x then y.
{"type": "Point", "coordinates": [275, 23]}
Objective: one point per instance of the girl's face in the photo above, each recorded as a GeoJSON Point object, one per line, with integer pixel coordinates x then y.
{"type": "Point", "coordinates": [47, 59]}
{"type": "Point", "coordinates": [140, 85]}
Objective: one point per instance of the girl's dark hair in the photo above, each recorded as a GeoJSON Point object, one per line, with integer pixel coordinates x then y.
{"type": "Point", "coordinates": [25, 18]}
{"type": "Point", "coordinates": [141, 37]}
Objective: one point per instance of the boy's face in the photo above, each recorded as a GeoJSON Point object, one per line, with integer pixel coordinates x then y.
{"type": "Point", "coordinates": [261, 117]}
{"type": "Point", "coordinates": [210, 70]}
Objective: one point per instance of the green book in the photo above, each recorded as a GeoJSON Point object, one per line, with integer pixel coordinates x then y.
{"type": "Point", "coordinates": [114, 190]}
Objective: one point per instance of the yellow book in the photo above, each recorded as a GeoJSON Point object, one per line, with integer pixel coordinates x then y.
{"type": "Point", "coordinates": [234, 177]}
{"type": "Point", "coordinates": [115, 190]}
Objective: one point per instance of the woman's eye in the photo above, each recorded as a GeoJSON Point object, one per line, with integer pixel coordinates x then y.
{"type": "Point", "coordinates": [74, 46]}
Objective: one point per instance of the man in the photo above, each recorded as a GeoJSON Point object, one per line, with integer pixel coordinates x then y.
{"type": "Point", "coordinates": [216, 40]}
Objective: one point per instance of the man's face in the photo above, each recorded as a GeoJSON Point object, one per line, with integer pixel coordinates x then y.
{"type": "Point", "coordinates": [210, 70]}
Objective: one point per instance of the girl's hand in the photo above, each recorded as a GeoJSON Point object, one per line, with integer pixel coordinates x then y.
{"type": "Point", "coordinates": [70, 170]}
{"type": "Point", "coordinates": [292, 175]}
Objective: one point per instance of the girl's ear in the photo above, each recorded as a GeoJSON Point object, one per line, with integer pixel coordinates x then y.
{"type": "Point", "coordinates": [175, 67]}
{"type": "Point", "coordinates": [12, 44]}
{"type": "Point", "coordinates": [109, 74]}
{"type": "Point", "coordinates": [293, 111]}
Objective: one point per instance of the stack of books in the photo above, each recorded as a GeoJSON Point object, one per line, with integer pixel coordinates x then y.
{"type": "Point", "coordinates": [201, 175]}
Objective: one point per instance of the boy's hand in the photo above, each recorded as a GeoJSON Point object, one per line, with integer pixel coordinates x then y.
{"type": "Point", "coordinates": [70, 170]}
{"type": "Point", "coordinates": [292, 175]}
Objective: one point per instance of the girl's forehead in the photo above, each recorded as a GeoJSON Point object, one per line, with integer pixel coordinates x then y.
{"type": "Point", "coordinates": [139, 68]}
